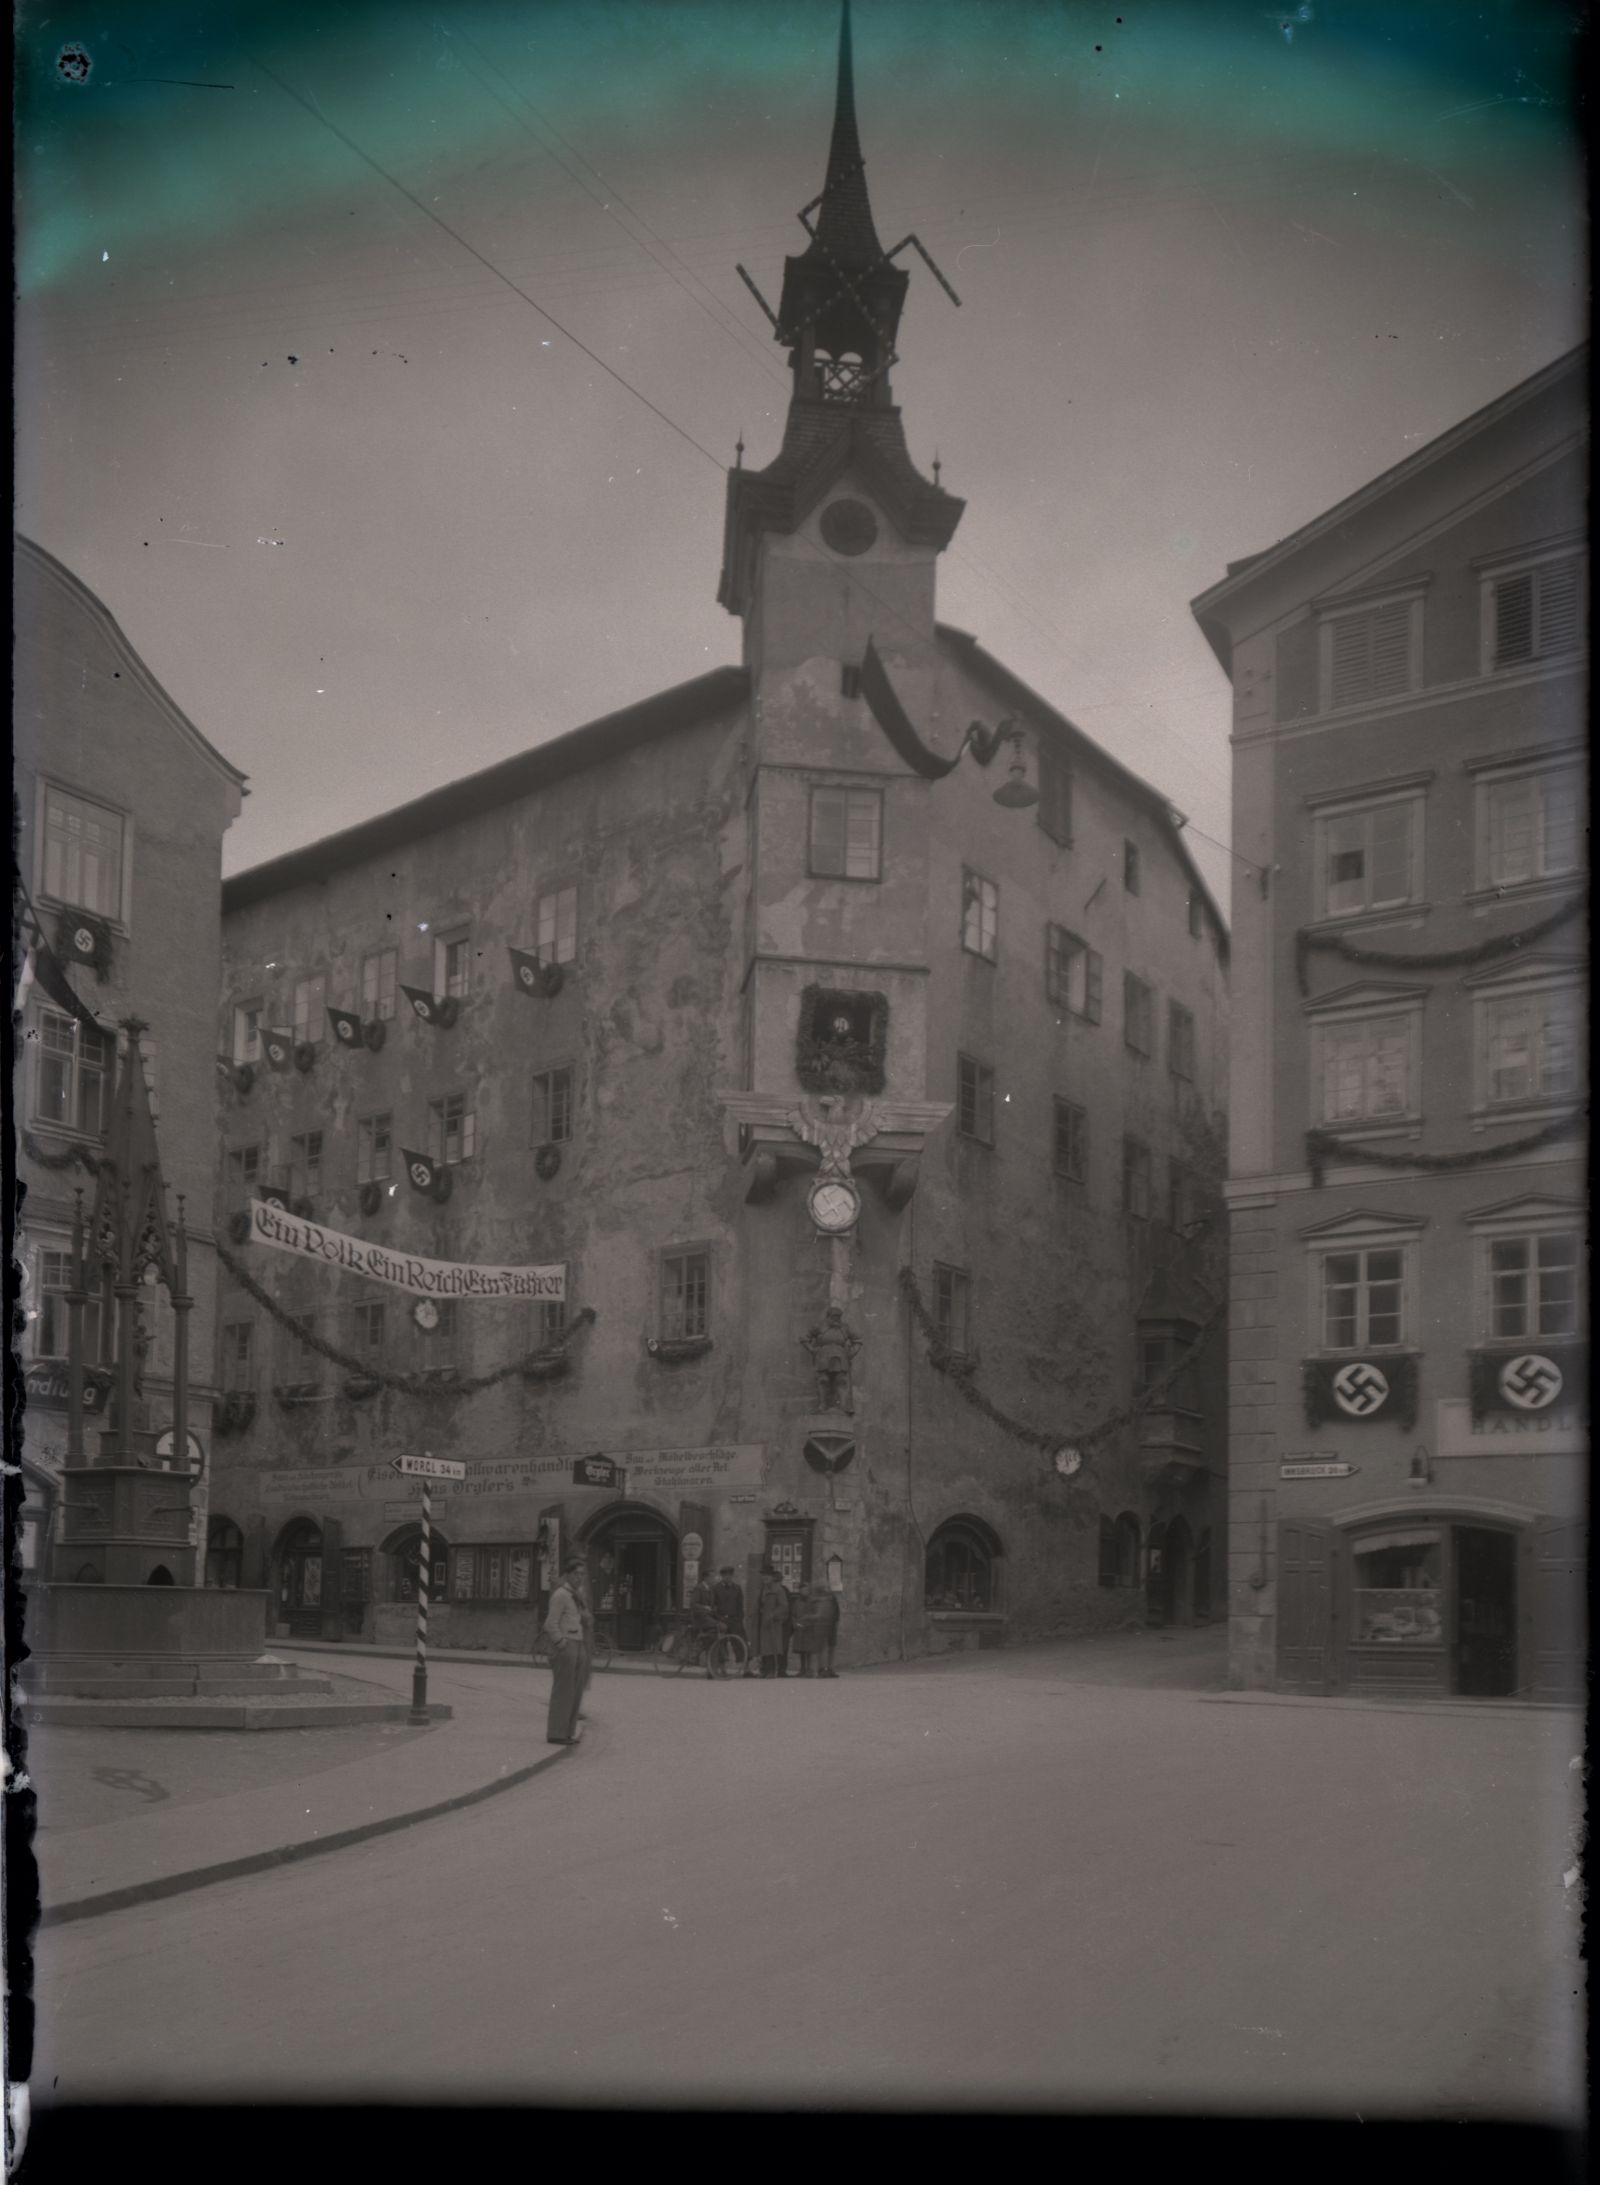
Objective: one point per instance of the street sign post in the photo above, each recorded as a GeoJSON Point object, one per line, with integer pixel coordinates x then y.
{"type": "Point", "coordinates": [426, 1469]}
{"type": "Point", "coordinates": [598, 1472]}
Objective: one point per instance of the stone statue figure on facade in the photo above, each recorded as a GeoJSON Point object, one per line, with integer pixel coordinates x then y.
{"type": "Point", "coordinates": [833, 1348]}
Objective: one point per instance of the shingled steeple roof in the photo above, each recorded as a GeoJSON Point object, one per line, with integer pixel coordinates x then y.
{"type": "Point", "coordinates": [845, 233]}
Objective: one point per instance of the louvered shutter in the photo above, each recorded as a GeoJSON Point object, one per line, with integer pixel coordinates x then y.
{"type": "Point", "coordinates": [1371, 656]}
{"type": "Point", "coordinates": [1513, 620]}
{"type": "Point", "coordinates": [1559, 603]}
{"type": "Point", "coordinates": [1093, 981]}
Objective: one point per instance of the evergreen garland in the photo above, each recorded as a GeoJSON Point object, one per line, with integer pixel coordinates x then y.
{"type": "Point", "coordinates": [409, 1384]}
{"type": "Point", "coordinates": [1444, 959]}
{"type": "Point", "coordinates": [1323, 1147]}
{"type": "Point", "coordinates": [944, 1360]}
{"type": "Point", "coordinates": [67, 1157]}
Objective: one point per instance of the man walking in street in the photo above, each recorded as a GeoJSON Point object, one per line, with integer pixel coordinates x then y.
{"type": "Point", "coordinates": [826, 1605]}
{"type": "Point", "coordinates": [807, 1637]}
{"type": "Point", "coordinates": [772, 1623]}
{"type": "Point", "coordinates": [563, 1627]}
{"type": "Point", "coordinates": [727, 1598]}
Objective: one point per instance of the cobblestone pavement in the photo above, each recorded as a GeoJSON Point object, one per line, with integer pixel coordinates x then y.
{"type": "Point", "coordinates": [952, 1882]}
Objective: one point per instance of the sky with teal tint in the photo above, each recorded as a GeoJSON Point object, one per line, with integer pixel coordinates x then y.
{"type": "Point", "coordinates": [376, 521]}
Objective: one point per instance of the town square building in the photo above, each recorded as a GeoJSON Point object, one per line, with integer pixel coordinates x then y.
{"type": "Point", "coordinates": [843, 1036]}
{"type": "Point", "coordinates": [121, 807]}
{"type": "Point", "coordinates": [1408, 1322]}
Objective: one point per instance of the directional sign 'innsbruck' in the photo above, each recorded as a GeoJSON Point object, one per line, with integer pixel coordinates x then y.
{"type": "Point", "coordinates": [802, 896]}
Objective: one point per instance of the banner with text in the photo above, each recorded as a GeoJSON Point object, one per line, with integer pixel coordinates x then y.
{"type": "Point", "coordinates": [287, 1232]}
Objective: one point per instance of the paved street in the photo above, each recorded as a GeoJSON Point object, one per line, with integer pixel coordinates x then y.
{"type": "Point", "coordinates": [1068, 1875]}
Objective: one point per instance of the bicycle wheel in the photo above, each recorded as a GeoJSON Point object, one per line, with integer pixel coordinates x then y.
{"type": "Point", "coordinates": [600, 1654]}
{"type": "Point", "coordinates": [727, 1656]}
{"type": "Point", "coordinates": [671, 1652]}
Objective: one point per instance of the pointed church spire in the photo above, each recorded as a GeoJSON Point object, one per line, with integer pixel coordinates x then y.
{"type": "Point", "coordinates": [845, 230]}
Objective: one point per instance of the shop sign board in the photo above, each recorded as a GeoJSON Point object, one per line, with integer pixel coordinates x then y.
{"type": "Point", "coordinates": [665, 1472]}
{"type": "Point", "coordinates": [1561, 1431]}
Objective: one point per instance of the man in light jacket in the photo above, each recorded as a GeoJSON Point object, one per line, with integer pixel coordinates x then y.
{"type": "Point", "coordinates": [563, 1627]}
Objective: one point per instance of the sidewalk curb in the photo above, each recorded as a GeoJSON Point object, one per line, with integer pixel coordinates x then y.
{"type": "Point", "coordinates": [257, 1862]}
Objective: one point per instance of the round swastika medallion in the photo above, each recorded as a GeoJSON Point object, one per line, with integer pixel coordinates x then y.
{"type": "Point", "coordinates": [525, 974]}
{"type": "Point", "coordinates": [1360, 1389]}
{"type": "Point", "coordinates": [83, 941]}
{"type": "Point", "coordinates": [422, 1009]}
{"type": "Point", "coordinates": [849, 527]}
{"type": "Point", "coordinates": [1530, 1382]}
{"type": "Point", "coordinates": [421, 1175]}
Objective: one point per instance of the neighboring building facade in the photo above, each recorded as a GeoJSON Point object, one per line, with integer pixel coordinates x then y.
{"type": "Point", "coordinates": [661, 944]}
{"type": "Point", "coordinates": [1409, 1384]}
{"type": "Point", "coordinates": [121, 806]}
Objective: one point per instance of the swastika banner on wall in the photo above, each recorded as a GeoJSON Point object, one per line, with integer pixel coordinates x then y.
{"type": "Point", "coordinates": [287, 1232]}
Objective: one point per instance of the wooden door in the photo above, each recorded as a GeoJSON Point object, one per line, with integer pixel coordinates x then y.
{"type": "Point", "coordinates": [1307, 1660]}
{"type": "Point", "coordinates": [1557, 1628]}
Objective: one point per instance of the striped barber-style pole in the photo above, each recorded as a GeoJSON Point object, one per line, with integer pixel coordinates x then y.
{"type": "Point", "coordinates": [419, 1675]}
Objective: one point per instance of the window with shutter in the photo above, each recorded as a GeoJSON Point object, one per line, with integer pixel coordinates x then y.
{"type": "Point", "coordinates": [1537, 613]}
{"type": "Point", "coordinates": [1368, 858]}
{"type": "Point", "coordinates": [1531, 825]}
{"type": "Point", "coordinates": [1370, 654]}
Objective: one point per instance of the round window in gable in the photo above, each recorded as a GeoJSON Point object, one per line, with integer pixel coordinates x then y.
{"type": "Point", "coordinates": [849, 527]}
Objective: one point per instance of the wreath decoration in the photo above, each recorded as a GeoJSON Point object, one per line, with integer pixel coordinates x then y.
{"type": "Point", "coordinates": [547, 1161]}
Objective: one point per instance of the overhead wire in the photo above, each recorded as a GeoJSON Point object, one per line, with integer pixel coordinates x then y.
{"type": "Point", "coordinates": [428, 213]}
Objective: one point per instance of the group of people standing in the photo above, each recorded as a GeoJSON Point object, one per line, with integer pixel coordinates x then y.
{"type": "Point", "coordinates": [804, 1621]}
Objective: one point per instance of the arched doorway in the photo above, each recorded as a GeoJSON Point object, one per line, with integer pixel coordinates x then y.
{"type": "Point", "coordinates": [633, 1562]}
{"type": "Point", "coordinates": [297, 1559]}
{"type": "Point", "coordinates": [402, 1552]}
{"type": "Point", "coordinates": [160, 1576]}
{"type": "Point", "coordinates": [962, 1570]}
{"type": "Point", "coordinates": [1169, 1585]}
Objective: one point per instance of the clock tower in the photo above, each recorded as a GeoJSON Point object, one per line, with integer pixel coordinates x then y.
{"type": "Point", "coordinates": [837, 538]}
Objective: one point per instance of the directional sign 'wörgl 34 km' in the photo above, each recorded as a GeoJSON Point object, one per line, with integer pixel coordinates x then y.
{"type": "Point", "coordinates": [427, 1468]}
